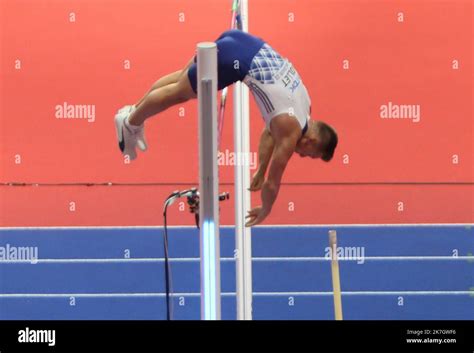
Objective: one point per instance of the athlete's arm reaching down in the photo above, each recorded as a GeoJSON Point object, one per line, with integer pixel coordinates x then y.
{"type": "Point", "coordinates": [265, 151]}
{"type": "Point", "coordinates": [285, 131]}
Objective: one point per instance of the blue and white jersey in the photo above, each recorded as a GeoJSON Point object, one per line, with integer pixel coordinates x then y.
{"type": "Point", "coordinates": [266, 64]}
{"type": "Point", "coordinates": [277, 87]}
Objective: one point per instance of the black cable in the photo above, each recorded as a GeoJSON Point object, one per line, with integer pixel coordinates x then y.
{"type": "Point", "coordinates": [167, 263]}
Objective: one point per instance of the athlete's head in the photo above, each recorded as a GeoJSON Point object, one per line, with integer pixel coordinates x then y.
{"type": "Point", "coordinates": [319, 141]}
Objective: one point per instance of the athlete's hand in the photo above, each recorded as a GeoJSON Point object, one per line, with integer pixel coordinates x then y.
{"type": "Point", "coordinates": [257, 181]}
{"type": "Point", "coordinates": [256, 216]}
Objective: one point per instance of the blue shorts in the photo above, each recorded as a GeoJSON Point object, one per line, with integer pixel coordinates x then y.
{"type": "Point", "coordinates": [235, 52]}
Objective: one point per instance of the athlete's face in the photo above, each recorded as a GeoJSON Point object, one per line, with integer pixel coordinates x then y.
{"type": "Point", "coordinates": [308, 148]}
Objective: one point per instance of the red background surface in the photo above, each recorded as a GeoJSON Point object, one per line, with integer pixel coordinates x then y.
{"type": "Point", "coordinates": [82, 62]}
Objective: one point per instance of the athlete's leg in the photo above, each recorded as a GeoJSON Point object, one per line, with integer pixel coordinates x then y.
{"type": "Point", "coordinates": [162, 98]}
{"type": "Point", "coordinates": [167, 91]}
{"type": "Point", "coordinates": [163, 81]}
{"type": "Point", "coordinates": [166, 80]}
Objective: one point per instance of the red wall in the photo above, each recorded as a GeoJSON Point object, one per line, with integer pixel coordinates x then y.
{"type": "Point", "coordinates": [82, 62]}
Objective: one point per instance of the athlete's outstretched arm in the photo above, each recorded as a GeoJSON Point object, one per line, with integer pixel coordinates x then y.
{"type": "Point", "coordinates": [265, 151]}
{"type": "Point", "coordinates": [285, 131]}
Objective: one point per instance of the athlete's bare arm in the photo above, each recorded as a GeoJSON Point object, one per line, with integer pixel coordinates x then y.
{"type": "Point", "coordinates": [265, 151]}
{"type": "Point", "coordinates": [285, 131]}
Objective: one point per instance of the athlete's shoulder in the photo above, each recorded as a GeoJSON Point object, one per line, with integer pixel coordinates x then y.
{"type": "Point", "coordinates": [285, 126]}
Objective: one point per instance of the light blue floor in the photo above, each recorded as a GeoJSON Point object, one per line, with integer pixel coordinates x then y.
{"type": "Point", "coordinates": [77, 277]}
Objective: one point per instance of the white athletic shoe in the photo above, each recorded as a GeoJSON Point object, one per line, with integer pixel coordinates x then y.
{"type": "Point", "coordinates": [129, 136]}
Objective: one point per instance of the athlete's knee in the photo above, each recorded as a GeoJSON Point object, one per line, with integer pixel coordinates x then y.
{"type": "Point", "coordinates": [182, 98]}
{"type": "Point", "coordinates": [184, 90]}
{"type": "Point", "coordinates": [177, 95]}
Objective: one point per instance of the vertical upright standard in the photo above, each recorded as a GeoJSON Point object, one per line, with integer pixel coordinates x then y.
{"type": "Point", "coordinates": [208, 182]}
{"type": "Point", "coordinates": [336, 281]}
{"type": "Point", "coordinates": [243, 238]}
